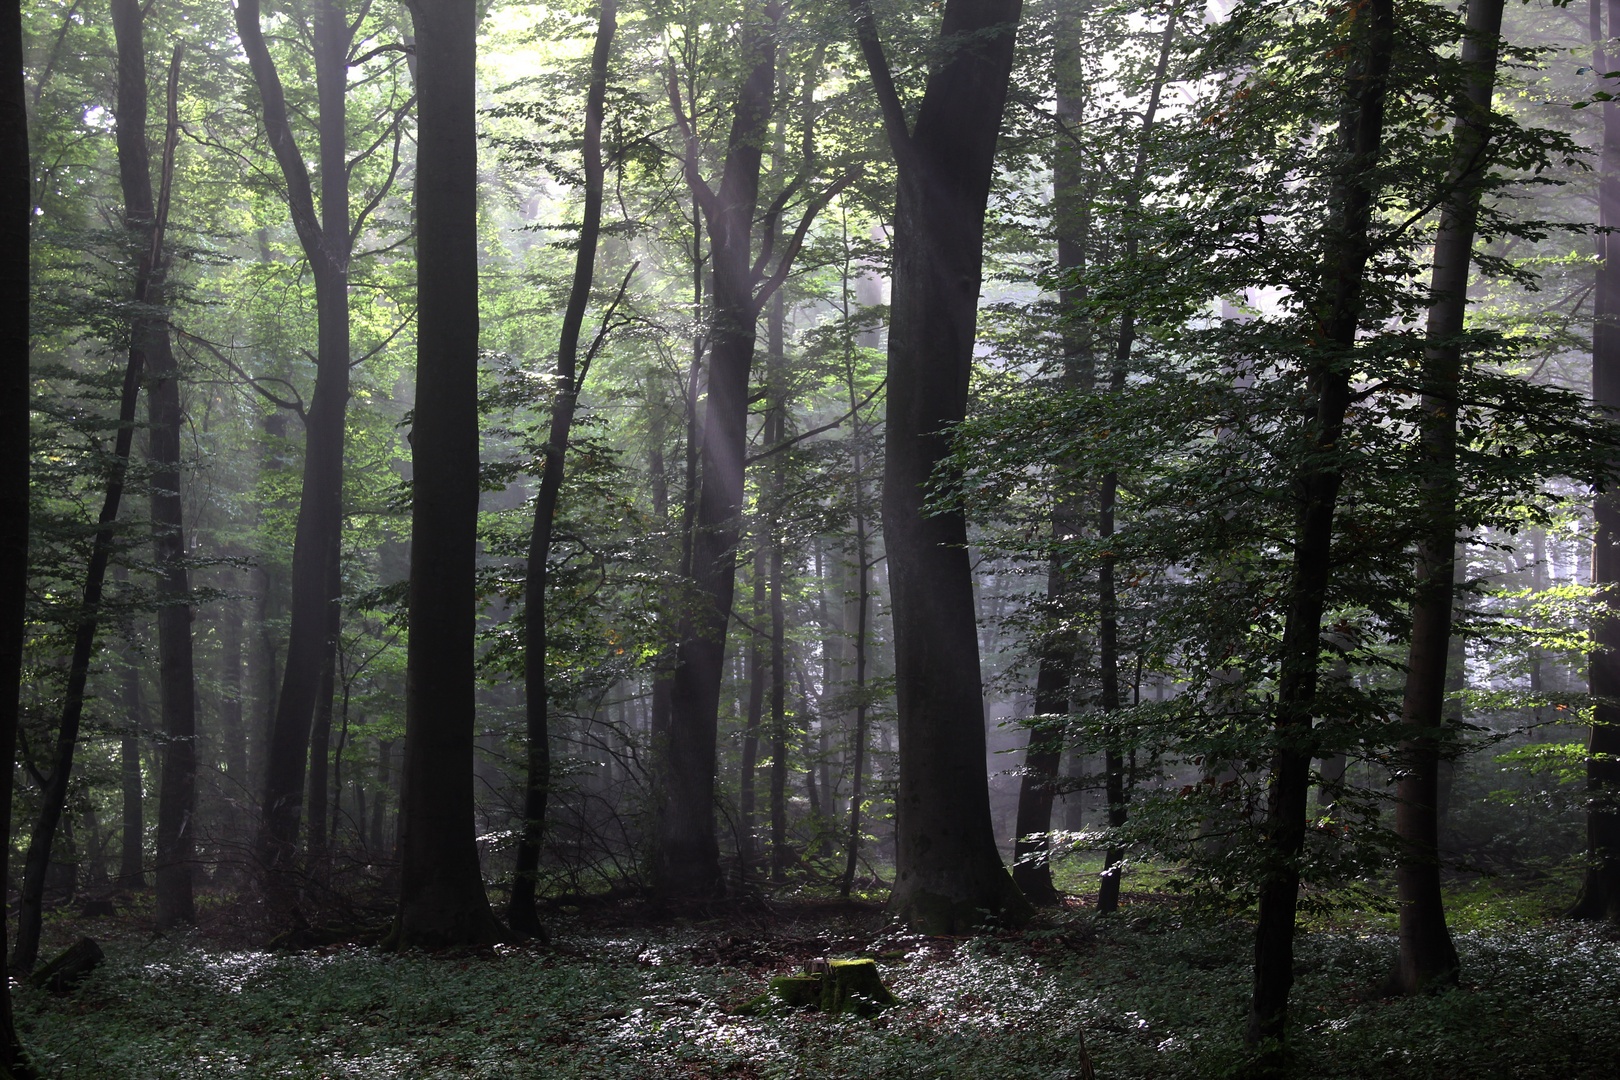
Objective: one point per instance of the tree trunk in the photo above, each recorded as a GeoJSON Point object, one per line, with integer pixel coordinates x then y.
{"type": "Point", "coordinates": [1032, 869]}
{"type": "Point", "coordinates": [16, 218]}
{"type": "Point", "coordinates": [146, 221]}
{"type": "Point", "coordinates": [1600, 892]}
{"type": "Point", "coordinates": [948, 872]}
{"type": "Point", "coordinates": [177, 682]}
{"type": "Point", "coordinates": [442, 899]}
{"type": "Point", "coordinates": [232, 733]}
{"type": "Point", "coordinates": [327, 245]}
{"type": "Point", "coordinates": [521, 912]}
{"type": "Point", "coordinates": [132, 863]}
{"type": "Point", "coordinates": [320, 740]}
{"type": "Point", "coordinates": [1427, 956]}
{"type": "Point", "coordinates": [1338, 311]}
{"type": "Point", "coordinates": [688, 854]}
{"type": "Point", "coordinates": [747, 780]}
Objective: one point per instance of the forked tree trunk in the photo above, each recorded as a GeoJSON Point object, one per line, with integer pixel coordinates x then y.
{"type": "Point", "coordinates": [16, 218]}
{"type": "Point", "coordinates": [948, 870]}
{"type": "Point", "coordinates": [442, 899]}
{"type": "Point", "coordinates": [1600, 891]}
{"type": "Point", "coordinates": [521, 912]}
{"type": "Point", "coordinates": [1427, 956]}
{"type": "Point", "coordinates": [687, 859]}
{"type": "Point", "coordinates": [327, 243]}
{"type": "Point", "coordinates": [1338, 308]}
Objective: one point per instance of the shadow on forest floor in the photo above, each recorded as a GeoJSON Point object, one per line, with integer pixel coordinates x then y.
{"type": "Point", "coordinates": [630, 990]}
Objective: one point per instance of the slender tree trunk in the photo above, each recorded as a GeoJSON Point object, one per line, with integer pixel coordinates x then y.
{"type": "Point", "coordinates": [949, 871]}
{"type": "Point", "coordinates": [1600, 892]}
{"type": "Point", "coordinates": [320, 742]}
{"type": "Point", "coordinates": [177, 682]}
{"type": "Point", "coordinates": [1032, 869]}
{"type": "Point", "coordinates": [327, 244]}
{"type": "Point", "coordinates": [521, 912]}
{"type": "Point", "coordinates": [16, 219]}
{"type": "Point", "coordinates": [779, 732]}
{"type": "Point", "coordinates": [688, 854]}
{"type": "Point", "coordinates": [748, 781]}
{"type": "Point", "coordinates": [1338, 309]}
{"type": "Point", "coordinates": [146, 220]}
{"type": "Point", "coordinates": [1427, 956]}
{"type": "Point", "coordinates": [232, 733]}
{"type": "Point", "coordinates": [442, 899]}
{"type": "Point", "coordinates": [132, 864]}
{"type": "Point", "coordinates": [863, 594]}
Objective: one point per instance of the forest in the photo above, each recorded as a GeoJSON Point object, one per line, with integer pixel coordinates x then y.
{"type": "Point", "coordinates": [785, 538]}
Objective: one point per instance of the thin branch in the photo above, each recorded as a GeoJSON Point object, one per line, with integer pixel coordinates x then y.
{"type": "Point", "coordinates": [602, 331]}
{"type": "Point", "coordinates": [296, 406]}
{"type": "Point", "coordinates": [689, 163]}
{"type": "Point", "coordinates": [392, 334]}
{"type": "Point", "coordinates": [785, 267]}
{"type": "Point", "coordinates": [785, 443]}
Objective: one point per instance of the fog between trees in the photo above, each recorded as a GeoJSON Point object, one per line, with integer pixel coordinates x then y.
{"type": "Point", "coordinates": [464, 460]}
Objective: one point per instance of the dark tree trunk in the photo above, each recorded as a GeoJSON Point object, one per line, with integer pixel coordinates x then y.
{"type": "Point", "coordinates": [747, 780]}
{"type": "Point", "coordinates": [863, 591]}
{"type": "Point", "coordinates": [16, 218]}
{"type": "Point", "coordinates": [442, 899]}
{"type": "Point", "coordinates": [132, 863]}
{"type": "Point", "coordinates": [1427, 956]}
{"type": "Point", "coordinates": [327, 244]}
{"type": "Point", "coordinates": [1338, 307]}
{"type": "Point", "coordinates": [948, 872]}
{"type": "Point", "coordinates": [232, 733]}
{"type": "Point", "coordinates": [177, 682]}
{"type": "Point", "coordinates": [521, 912]}
{"type": "Point", "coordinates": [1032, 869]}
{"type": "Point", "coordinates": [320, 739]}
{"type": "Point", "coordinates": [779, 732]}
{"type": "Point", "coordinates": [145, 219]}
{"type": "Point", "coordinates": [1600, 892]}
{"type": "Point", "coordinates": [688, 855]}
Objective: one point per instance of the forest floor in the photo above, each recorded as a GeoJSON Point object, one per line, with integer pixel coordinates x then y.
{"type": "Point", "coordinates": [1156, 990]}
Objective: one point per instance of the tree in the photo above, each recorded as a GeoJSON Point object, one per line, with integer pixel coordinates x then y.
{"type": "Point", "coordinates": [1337, 308]}
{"type": "Point", "coordinates": [146, 219]}
{"type": "Point", "coordinates": [16, 217]}
{"type": "Point", "coordinates": [948, 870]}
{"type": "Point", "coordinates": [1600, 891]}
{"type": "Point", "coordinates": [521, 914]}
{"type": "Point", "coordinates": [1427, 956]}
{"type": "Point", "coordinates": [442, 899]}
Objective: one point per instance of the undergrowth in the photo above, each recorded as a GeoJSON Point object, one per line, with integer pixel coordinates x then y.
{"type": "Point", "coordinates": [1153, 991]}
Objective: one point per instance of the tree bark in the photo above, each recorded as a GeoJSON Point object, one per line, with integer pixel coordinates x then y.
{"type": "Point", "coordinates": [1337, 309]}
{"type": "Point", "coordinates": [16, 219]}
{"type": "Point", "coordinates": [146, 219]}
{"type": "Point", "coordinates": [442, 899]}
{"type": "Point", "coordinates": [521, 914]}
{"type": "Point", "coordinates": [948, 872]}
{"type": "Point", "coordinates": [327, 245]}
{"type": "Point", "coordinates": [1427, 956]}
{"type": "Point", "coordinates": [1600, 891]}
{"type": "Point", "coordinates": [132, 864]}
{"type": "Point", "coordinates": [747, 780]}
{"type": "Point", "coordinates": [687, 861]}
{"type": "Point", "coordinates": [177, 681]}
{"type": "Point", "coordinates": [1032, 868]}
{"type": "Point", "coordinates": [863, 594]}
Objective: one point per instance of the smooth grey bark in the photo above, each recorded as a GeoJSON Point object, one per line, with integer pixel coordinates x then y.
{"type": "Point", "coordinates": [948, 870]}
{"type": "Point", "coordinates": [442, 898]}
{"type": "Point", "coordinates": [1427, 956]}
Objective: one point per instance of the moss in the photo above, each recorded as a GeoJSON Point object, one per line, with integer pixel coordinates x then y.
{"type": "Point", "coordinates": [797, 990]}
{"type": "Point", "coordinates": [853, 986]}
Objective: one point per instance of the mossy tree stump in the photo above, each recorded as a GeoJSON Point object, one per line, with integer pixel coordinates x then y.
{"type": "Point", "coordinates": [835, 986]}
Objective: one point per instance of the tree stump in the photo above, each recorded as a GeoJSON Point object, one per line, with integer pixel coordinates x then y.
{"type": "Point", "coordinates": [62, 974]}
{"type": "Point", "coordinates": [835, 986]}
